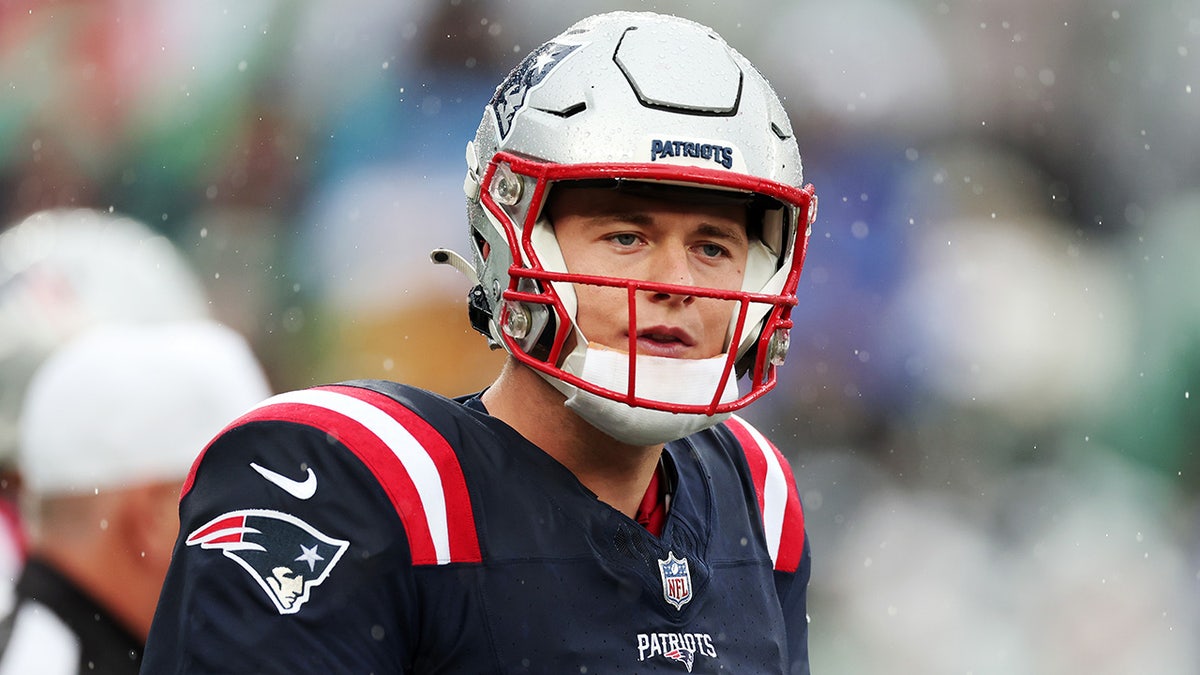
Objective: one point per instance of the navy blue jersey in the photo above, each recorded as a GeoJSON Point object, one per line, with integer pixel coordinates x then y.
{"type": "Point", "coordinates": [376, 528]}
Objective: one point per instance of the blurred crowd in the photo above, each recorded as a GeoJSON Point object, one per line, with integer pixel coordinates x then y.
{"type": "Point", "coordinates": [992, 401]}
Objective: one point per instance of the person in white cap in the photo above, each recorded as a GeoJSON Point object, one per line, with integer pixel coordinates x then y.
{"type": "Point", "coordinates": [61, 271]}
{"type": "Point", "coordinates": [111, 424]}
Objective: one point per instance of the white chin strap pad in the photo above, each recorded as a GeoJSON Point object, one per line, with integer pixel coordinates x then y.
{"type": "Point", "coordinates": [666, 380]}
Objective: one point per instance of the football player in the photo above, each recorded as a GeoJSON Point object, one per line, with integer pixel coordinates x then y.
{"type": "Point", "coordinates": [638, 221]}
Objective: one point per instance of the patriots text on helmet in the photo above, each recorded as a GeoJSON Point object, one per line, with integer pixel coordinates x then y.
{"type": "Point", "coordinates": [721, 154]}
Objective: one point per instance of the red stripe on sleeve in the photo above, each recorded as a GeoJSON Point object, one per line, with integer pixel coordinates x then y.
{"type": "Point", "coordinates": [756, 460]}
{"type": "Point", "coordinates": [377, 456]}
{"type": "Point", "coordinates": [460, 517]}
{"type": "Point", "coordinates": [791, 543]}
{"type": "Point", "coordinates": [791, 548]}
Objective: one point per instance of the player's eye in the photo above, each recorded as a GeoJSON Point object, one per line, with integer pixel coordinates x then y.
{"type": "Point", "coordinates": [713, 250]}
{"type": "Point", "coordinates": [624, 238]}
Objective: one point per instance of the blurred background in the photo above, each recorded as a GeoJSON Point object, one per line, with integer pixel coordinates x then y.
{"type": "Point", "coordinates": [992, 403]}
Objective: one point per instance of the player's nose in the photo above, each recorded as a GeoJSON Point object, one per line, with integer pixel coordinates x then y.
{"type": "Point", "coordinates": [671, 264]}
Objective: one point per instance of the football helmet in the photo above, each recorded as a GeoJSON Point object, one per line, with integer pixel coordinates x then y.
{"type": "Point", "coordinates": [643, 101]}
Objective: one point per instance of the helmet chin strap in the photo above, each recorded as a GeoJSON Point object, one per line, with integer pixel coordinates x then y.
{"type": "Point", "coordinates": [670, 380]}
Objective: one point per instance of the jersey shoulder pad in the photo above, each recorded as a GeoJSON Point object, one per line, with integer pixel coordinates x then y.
{"type": "Point", "coordinates": [776, 492]}
{"type": "Point", "coordinates": [386, 427]}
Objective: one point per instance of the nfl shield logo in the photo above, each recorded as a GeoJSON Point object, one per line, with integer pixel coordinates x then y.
{"type": "Point", "coordinates": [676, 580]}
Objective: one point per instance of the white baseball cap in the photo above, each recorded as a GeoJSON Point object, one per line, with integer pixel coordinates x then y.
{"type": "Point", "coordinates": [63, 270]}
{"type": "Point", "coordinates": [126, 404]}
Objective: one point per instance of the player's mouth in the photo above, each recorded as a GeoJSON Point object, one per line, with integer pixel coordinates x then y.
{"type": "Point", "coordinates": [664, 341]}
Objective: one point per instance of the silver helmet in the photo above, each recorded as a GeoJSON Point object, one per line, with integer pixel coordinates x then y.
{"type": "Point", "coordinates": [635, 98]}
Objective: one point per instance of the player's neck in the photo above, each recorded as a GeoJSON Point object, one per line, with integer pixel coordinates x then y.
{"type": "Point", "coordinates": [616, 472]}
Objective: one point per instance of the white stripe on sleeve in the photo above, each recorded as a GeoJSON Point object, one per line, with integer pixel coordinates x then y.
{"type": "Point", "coordinates": [408, 450]}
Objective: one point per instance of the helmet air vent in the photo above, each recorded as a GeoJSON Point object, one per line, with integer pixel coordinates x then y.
{"type": "Point", "coordinates": [569, 111]}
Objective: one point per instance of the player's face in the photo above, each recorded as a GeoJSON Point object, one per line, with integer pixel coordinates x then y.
{"type": "Point", "coordinates": [633, 236]}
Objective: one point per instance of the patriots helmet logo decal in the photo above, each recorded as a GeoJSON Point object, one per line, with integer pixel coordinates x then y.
{"type": "Point", "coordinates": [510, 95]}
{"type": "Point", "coordinates": [286, 556]}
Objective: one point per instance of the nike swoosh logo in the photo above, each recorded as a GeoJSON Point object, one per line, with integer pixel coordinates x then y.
{"type": "Point", "coordinates": [304, 489]}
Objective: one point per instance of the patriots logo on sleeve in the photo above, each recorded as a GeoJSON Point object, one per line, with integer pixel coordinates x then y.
{"type": "Point", "coordinates": [510, 95]}
{"type": "Point", "coordinates": [286, 556]}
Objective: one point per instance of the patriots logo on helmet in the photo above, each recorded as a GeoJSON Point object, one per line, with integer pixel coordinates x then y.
{"type": "Point", "coordinates": [510, 95]}
{"type": "Point", "coordinates": [286, 556]}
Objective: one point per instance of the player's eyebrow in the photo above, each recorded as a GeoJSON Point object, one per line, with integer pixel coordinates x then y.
{"type": "Point", "coordinates": [725, 232]}
{"type": "Point", "coordinates": [645, 219]}
{"type": "Point", "coordinates": [632, 217]}
{"type": "Point", "coordinates": [721, 231]}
